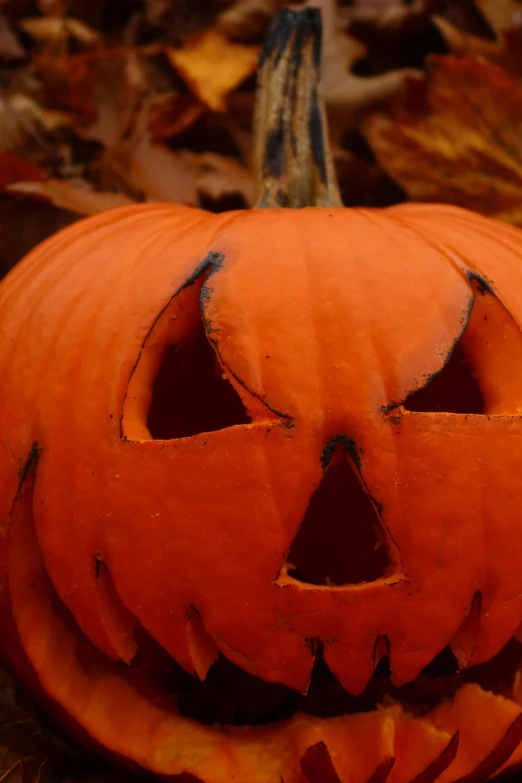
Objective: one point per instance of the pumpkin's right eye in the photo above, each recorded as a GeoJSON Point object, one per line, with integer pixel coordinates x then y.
{"type": "Point", "coordinates": [454, 389]}
{"type": "Point", "coordinates": [483, 372]}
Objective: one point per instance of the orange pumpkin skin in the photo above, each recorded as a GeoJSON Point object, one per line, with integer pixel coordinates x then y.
{"type": "Point", "coordinates": [324, 321]}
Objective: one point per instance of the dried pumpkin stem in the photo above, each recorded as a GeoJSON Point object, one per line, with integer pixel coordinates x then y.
{"type": "Point", "coordinates": [292, 157]}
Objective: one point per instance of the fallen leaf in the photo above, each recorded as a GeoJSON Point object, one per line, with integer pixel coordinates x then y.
{"type": "Point", "coordinates": [54, 28]}
{"type": "Point", "coordinates": [247, 19]}
{"type": "Point", "coordinates": [173, 113]}
{"type": "Point", "coordinates": [150, 170]}
{"type": "Point", "coordinates": [213, 66]}
{"type": "Point", "coordinates": [22, 117]}
{"type": "Point", "coordinates": [112, 87]}
{"type": "Point", "coordinates": [220, 175]}
{"type": "Point", "coordinates": [76, 197]}
{"type": "Point", "coordinates": [466, 44]}
{"type": "Point", "coordinates": [504, 50]}
{"type": "Point", "coordinates": [457, 138]}
{"type": "Point", "coordinates": [155, 173]}
{"type": "Point", "coordinates": [156, 10]}
{"type": "Point", "coordinates": [120, 113]}
{"type": "Point", "coordinates": [348, 96]}
{"type": "Point", "coordinates": [104, 86]}
{"type": "Point", "coordinates": [52, 7]}
{"type": "Point", "coordinates": [501, 14]}
{"type": "Point", "coordinates": [10, 46]}
{"type": "Point", "coordinates": [390, 15]}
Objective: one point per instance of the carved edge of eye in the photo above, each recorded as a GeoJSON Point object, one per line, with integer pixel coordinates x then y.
{"type": "Point", "coordinates": [342, 541]}
{"type": "Point", "coordinates": [480, 374]}
{"type": "Point", "coordinates": [179, 386]}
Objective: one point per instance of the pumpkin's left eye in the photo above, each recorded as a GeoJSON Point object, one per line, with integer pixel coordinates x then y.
{"type": "Point", "coordinates": [191, 394]}
{"type": "Point", "coordinates": [482, 374]}
{"type": "Point", "coordinates": [178, 387]}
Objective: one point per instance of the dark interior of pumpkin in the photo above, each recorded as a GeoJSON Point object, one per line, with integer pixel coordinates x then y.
{"type": "Point", "coordinates": [231, 696]}
{"type": "Point", "coordinates": [191, 395]}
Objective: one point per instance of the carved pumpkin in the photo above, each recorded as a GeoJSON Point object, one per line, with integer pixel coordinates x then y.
{"type": "Point", "coordinates": [270, 461]}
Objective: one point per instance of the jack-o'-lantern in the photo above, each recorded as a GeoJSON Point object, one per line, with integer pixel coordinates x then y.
{"type": "Point", "coordinates": [261, 475]}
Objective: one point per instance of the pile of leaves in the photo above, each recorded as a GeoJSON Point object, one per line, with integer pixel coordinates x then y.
{"type": "Point", "coordinates": [109, 102]}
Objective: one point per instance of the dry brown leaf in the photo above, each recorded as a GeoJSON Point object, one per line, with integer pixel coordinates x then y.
{"type": "Point", "coordinates": [213, 66]}
{"type": "Point", "coordinates": [466, 44]}
{"type": "Point", "coordinates": [504, 51]}
{"type": "Point", "coordinates": [10, 46]}
{"type": "Point", "coordinates": [53, 7]}
{"type": "Point", "coordinates": [220, 175]}
{"type": "Point", "coordinates": [155, 10]}
{"type": "Point", "coordinates": [173, 113]}
{"type": "Point", "coordinates": [247, 19]}
{"type": "Point", "coordinates": [349, 96]}
{"type": "Point", "coordinates": [21, 117]}
{"type": "Point", "coordinates": [155, 173]}
{"type": "Point", "coordinates": [124, 119]}
{"type": "Point", "coordinates": [75, 196]}
{"type": "Point", "coordinates": [390, 14]}
{"type": "Point", "coordinates": [151, 170]}
{"type": "Point", "coordinates": [457, 138]}
{"type": "Point", "coordinates": [501, 14]}
{"type": "Point", "coordinates": [113, 87]}
{"type": "Point", "coordinates": [55, 28]}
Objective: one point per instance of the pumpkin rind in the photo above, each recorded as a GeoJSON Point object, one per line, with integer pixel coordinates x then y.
{"type": "Point", "coordinates": [258, 302]}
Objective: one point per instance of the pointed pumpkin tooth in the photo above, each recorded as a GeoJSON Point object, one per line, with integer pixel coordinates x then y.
{"type": "Point", "coordinates": [352, 668]}
{"type": "Point", "coordinates": [406, 667]}
{"type": "Point", "coordinates": [422, 752]}
{"type": "Point", "coordinates": [489, 727]}
{"type": "Point", "coordinates": [464, 642]}
{"type": "Point", "coordinates": [499, 622]}
{"type": "Point", "coordinates": [120, 624]}
{"type": "Point", "coordinates": [316, 765]}
{"type": "Point", "coordinates": [201, 646]}
{"type": "Point", "coordinates": [382, 648]}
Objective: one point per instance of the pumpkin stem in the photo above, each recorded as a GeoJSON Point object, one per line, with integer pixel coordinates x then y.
{"type": "Point", "coordinates": [292, 157]}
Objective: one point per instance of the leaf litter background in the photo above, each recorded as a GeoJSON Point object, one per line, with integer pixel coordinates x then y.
{"type": "Point", "coordinates": [109, 102]}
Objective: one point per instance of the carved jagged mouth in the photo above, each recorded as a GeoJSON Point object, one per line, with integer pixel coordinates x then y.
{"type": "Point", "coordinates": [230, 696]}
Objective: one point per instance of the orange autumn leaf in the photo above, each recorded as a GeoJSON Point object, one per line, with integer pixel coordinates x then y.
{"type": "Point", "coordinates": [456, 138]}
{"type": "Point", "coordinates": [213, 66]}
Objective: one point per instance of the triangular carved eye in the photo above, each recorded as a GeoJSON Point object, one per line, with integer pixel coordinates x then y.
{"type": "Point", "coordinates": [452, 390]}
{"type": "Point", "coordinates": [341, 539]}
{"type": "Point", "coordinates": [483, 372]}
{"type": "Point", "coordinates": [178, 388]}
{"type": "Point", "coordinates": [191, 394]}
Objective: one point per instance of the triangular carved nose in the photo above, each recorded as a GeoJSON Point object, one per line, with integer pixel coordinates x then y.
{"type": "Point", "coordinates": [341, 540]}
